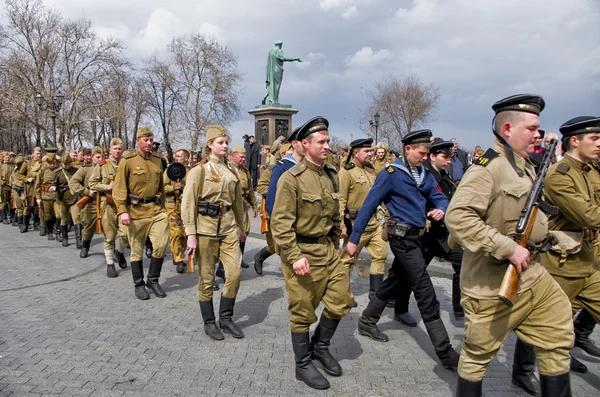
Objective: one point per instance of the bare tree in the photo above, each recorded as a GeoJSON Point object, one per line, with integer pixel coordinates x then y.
{"type": "Point", "coordinates": [404, 103]}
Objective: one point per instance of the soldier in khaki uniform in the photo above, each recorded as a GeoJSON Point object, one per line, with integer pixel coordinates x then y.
{"type": "Point", "coordinates": [46, 190]}
{"type": "Point", "coordinates": [139, 194]}
{"type": "Point", "coordinates": [6, 169]}
{"type": "Point", "coordinates": [173, 192]}
{"type": "Point", "coordinates": [102, 181]}
{"type": "Point", "coordinates": [276, 146]}
{"type": "Point", "coordinates": [80, 185]}
{"type": "Point", "coordinates": [356, 180]}
{"type": "Point", "coordinates": [306, 226]}
{"type": "Point", "coordinates": [268, 158]}
{"type": "Point", "coordinates": [343, 155]}
{"type": "Point", "coordinates": [66, 199]}
{"type": "Point", "coordinates": [18, 195]}
{"type": "Point", "coordinates": [380, 161]}
{"type": "Point", "coordinates": [212, 211]}
{"type": "Point", "coordinates": [482, 217]}
{"type": "Point", "coordinates": [30, 170]}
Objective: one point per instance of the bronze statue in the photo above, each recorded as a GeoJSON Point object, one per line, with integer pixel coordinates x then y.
{"type": "Point", "coordinates": [275, 73]}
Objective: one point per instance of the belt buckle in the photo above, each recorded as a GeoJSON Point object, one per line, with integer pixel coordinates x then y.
{"type": "Point", "coordinates": [421, 232]}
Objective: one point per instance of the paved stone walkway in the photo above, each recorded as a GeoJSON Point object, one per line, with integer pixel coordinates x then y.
{"type": "Point", "coordinates": [68, 330]}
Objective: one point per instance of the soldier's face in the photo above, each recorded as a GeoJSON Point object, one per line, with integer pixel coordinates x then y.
{"type": "Point", "coordinates": [380, 154]}
{"type": "Point", "coordinates": [363, 155]}
{"type": "Point", "coordinates": [73, 155]}
{"type": "Point", "coordinates": [588, 148]}
{"type": "Point", "coordinates": [520, 134]}
{"type": "Point", "coordinates": [116, 152]}
{"type": "Point", "coordinates": [36, 156]}
{"type": "Point", "coordinates": [218, 147]}
{"type": "Point", "coordinates": [316, 146]}
{"type": "Point", "coordinates": [145, 144]}
{"type": "Point", "coordinates": [87, 158]}
{"type": "Point", "coordinates": [6, 159]}
{"type": "Point", "coordinates": [96, 158]}
{"type": "Point", "coordinates": [441, 160]}
{"type": "Point", "coordinates": [178, 157]}
{"type": "Point", "coordinates": [239, 159]}
{"type": "Point", "coordinates": [416, 154]}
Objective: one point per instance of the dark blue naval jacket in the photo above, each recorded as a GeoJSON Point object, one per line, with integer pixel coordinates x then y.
{"type": "Point", "coordinates": [287, 162]}
{"type": "Point", "coordinates": [397, 189]}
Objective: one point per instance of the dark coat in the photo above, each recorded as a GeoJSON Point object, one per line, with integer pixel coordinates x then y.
{"type": "Point", "coordinates": [252, 155]}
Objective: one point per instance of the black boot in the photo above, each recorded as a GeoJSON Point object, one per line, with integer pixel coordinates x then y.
{"type": "Point", "coordinates": [65, 235]}
{"type": "Point", "coordinates": [556, 386]}
{"type": "Point", "coordinates": [181, 267]}
{"type": "Point", "coordinates": [523, 366]}
{"type": "Point", "coordinates": [43, 229]}
{"type": "Point", "coordinates": [305, 368]}
{"type": "Point", "coordinates": [320, 346]}
{"type": "Point", "coordinates": [120, 259]}
{"type": "Point", "coordinates": [242, 247]}
{"type": "Point", "coordinates": [14, 221]}
{"type": "Point", "coordinates": [225, 321]}
{"type": "Point", "coordinates": [466, 388]}
{"type": "Point", "coordinates": [2, 215]}
{"type": "Point", "coordinates": [6, 216]}
{"type": "Point", "coordinates": [208, 317]}
{"type": "Point", "coordinates": [367, 323]}
{"type": "Point", "coordinates": [78, 241]}
{"type": "Point", "coordinates": [153, 275]}
{"type": "Point", "coordinates": [220, 271]}
{"type": "Point", "coordinates": [57, 230]}
{"type": "Point", "coordinates": [584, 326]}
{"type": "Point", "coordinates": [137, 272]}
{"type": "Point", "coordinates": [85, 249]}
{"type": "Point", "coordinates": [111, 272]}
{"type": "Point", "coordinates": [50, 229]}
{"type": "Point", "coordinates": [36, 221]}
{"type": "Point", "coordinates": [25, 224]}
{"type": "Point", "coordinates": [259, 258]}
{"type": "Point", "coordinates": [20, 221]}
{"type": "Point", "coordinates": [441, 344]}
{"type": "Point", "coordinates": [375, 281]}
{"type": "Point", "coordinates": [578, 366]}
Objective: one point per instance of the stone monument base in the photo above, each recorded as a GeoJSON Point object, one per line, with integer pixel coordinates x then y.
{"type": "Point", "coordinates": [271, 121]}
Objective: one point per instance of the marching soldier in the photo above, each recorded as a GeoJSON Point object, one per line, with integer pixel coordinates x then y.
{"type": "Point", "coordinates": [66, 199]}
{"type": "Point", "coordinates": [173, 192]}
{"type": "Point", "coordinates": [46, 190]}
{"type": "Point", "coordinates": [356, 180]}
{"type": "Point", "coordinates": [6, 170]}
{"type": "Point", "coordinates": [212, 211]}
{"type": "Point", "coordinates": [18, 194]}
{"type": "Point", "coordinates": [138, 193]}
{"type": "Point", "coordinates": [405, 188]}
{"type": "Point", "coordinates": [482, 217]}
{"type": "Point", "coordinates": [102, 181]}
{"type": "Point", "coordinates": [80, 185]}
{"type": "Point", "coordinates": [30, 171]}
{"type": "Point", "coordinates": [306, 227]}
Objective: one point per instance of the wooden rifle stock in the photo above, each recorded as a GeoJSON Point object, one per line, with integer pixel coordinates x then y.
{"type": "Point", "coordinates": [191, 268]}
{"type": "Point", "coordinates": [98, 215]}
{"type": "Point", "coordinates": [83, 201]}
{"type": "Point", "coordinates": [264, 222]}
{"type": "Point", "coordinates": [510, 282]}
{"type": "Point", "coordinates": [111, 202]}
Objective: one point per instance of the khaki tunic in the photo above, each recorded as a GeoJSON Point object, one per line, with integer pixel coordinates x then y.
{"type": "Point", "coordinates": [247, 194]}
{"type": "Point", "coordinates": [80, 185]}
{"type": "Point", "coordinates": [378, 165]}
{"type": "Point", "coordinates": [44, 180]}
{"type": "Point", "coordinates": [30, 170]}
{"type": "Point", "coordinates": [66, 206]}
{"type": "Point", "coordinates": [307, 205]}
{"type": "Point", "coordinates": [275, 147]}
{"type": "Point", "coordinates": [18, 196]}
{"type": "Point", "coordinates": [177, 236]}
{"type": "Point", "coordinates": [5, 188]}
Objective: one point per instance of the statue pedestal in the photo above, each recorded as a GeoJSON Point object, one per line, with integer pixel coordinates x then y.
{"type": "Point", "coordinates": [271, 121]}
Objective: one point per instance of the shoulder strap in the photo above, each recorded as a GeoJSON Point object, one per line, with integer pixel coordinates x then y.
{"type": "Point", "coordinates": [488, 156]}
{"type": "Point", "coordinates": [328, 173]}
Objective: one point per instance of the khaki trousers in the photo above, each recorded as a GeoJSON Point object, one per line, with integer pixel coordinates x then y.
{"type": "Point", "coordinates": [583, 292]}
{"type": "Point", "coordinates": [157, 228]}
{"type": "Point", "coordinates": [64, 211]}
{"type": "Point", "coordinates": [540, 317]}
{"type": "Point", "coordinates": [209, 250]}
{"type": "Point", "coordinates": [377, 248]}
{"type": "Point", "coordinates": [88, 219]}
{"type": "Point", "coordinates": [177, 236]}
{"type": "Point", "coordinates": [111, 226]}
{"type": "Point", "coordinates": [19, 202]}
{"type": "Point", "coordinates": [48, 209]}
{"type": "Point", "coordinates": [327, 282]}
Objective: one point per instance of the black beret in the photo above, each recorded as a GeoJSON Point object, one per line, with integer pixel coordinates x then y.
{"type": "Point", "coordinates": [580, 125]}
{"type": "Point", "coordinates": [529, 103]}
{"type": "Point", "coordinates": [420, 136]}
{"type": "Point", "coordinates": [294, 135]}
{"type": "Point", "coordinates": [395, 153]}
{"type": "Point", "coordinates": [359, 143]}
{"type": "Point", "coordinates": [441, 146]}
{"type": "Point", "coordinates": [155, 145]}
{"type": "Point", "coordinates": [313, 125]}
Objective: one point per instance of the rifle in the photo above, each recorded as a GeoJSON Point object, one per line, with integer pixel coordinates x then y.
{"type": "Point", "coordinates": [111, 202]}
{"type": "Point", "coordinates": [535, 201]}
{"type": "Point", "coordinates": [190, 264]}
{"type": "Point", "coordinates": [98, 215]}
{"type": "Point", "coordinates": [83, 201]}
{"type": "Point", "coordinates": [264, 222]}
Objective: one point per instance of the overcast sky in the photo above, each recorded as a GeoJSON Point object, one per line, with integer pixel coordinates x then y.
{"type": "Point", "coordinates": [476, 51]}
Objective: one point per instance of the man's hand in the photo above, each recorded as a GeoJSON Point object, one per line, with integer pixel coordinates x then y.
{"type": "Point", "coordinates": [344, 232]}
{"type": "Point", "coordinates": [52, 189]}
{"type": "Point", "coordinates": [29, 180]}
{"type": "Point", "coordinates": [242, 235]}
{"type": "Point", "coordinates": [177, 186]}
{"type": "Point", "coordinates": [92, 193]}
{"type": "Point", "coordinates": [301, 267]}
{"type": "Point", "coordinates": [192, 243]}
{"type": "Point", "coordinates": [255, 213]}
{"type": "Point", "coordinates": [437, 215]}
{"type": "Point", "coordinates": [125, 219]}
{"type": "Point", "coordinates": [110, 185]}
{"type": "Point", "coordinates": [351, 249]}
{"type": "Point", "coordinates": [520, 259]}
{"type": "Point", "coordinates": [39, 202]}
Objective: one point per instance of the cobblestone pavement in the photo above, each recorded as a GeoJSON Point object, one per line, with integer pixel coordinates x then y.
{"type": "Point", "coordinates": [68, 330]}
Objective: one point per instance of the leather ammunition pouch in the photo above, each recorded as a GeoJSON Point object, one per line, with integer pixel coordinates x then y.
{"type": "Point", "coordinates": [351, 214]}
{"type": "Point", "coordinates": [209, 209]}
{"type": "Point", "coordinates": [395, 229]}
{"type": "Point", "coordinates": [569, 243]}
{"type": "Point", "coordinates": [135, 200]}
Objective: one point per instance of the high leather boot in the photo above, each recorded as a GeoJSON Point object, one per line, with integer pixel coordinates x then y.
{"type": "Point", "coordinates": [111, 272]}
{"type": "Point", "coordinates": [466, 388]}
{"type": "Point", "coordinates": [137, 272]}
{"type": "Point", "coordinates": [584, 326]}
{"type": "Point", "coordinates": [85, 249]}
{"type": "Point", "coordinates": [242, 248]}
{"type": "Point", "coordinates": [220, 271]}
{"type": "Point", "coordinates": [523, 366]}
{"type": "Point", "coordinates": [225, 321]}
{"type": "Point", "coordinates": [375, 281]}
{"type": "Point", "coordinates": [305, 368]}
{"type": "Point", "coordinates": [6, 216]}
{"type": "Point", "coordinates": [556, 386]}
{"type": "Point", "coordinates": [20, 221]}
{"type": "Point", "coordinates": [43, 229]}
{"type": "Point", "coordinates": [25, 225]}
{"type": "Point", "coordinates": [153, 275]}
{"type": "Point", "coordinates": [2, 215]}
{"type": "Point", "coordinates": [441, 344]}
{"type": "Point", "coordinates": [320, 346]}
{"type": "Point", "coordinates": [57, 230]}
{"type": "Point", "coordinates": [13, 217]}
{"type": "Point", "coordinates": [36, 221]}
{"type": "Point", "coordinates": [50, 229]}
{"type": "Point", "coordinates": [65, 235]}
{"type": "Point", "coordinates": [119, 257]}
{"type": "Point", "coordinates": [78, 241]}
{"type": "Point", "coordinates": [208, 317]}
{"type": "Point", "coordinates": [259, 258]}
{"type": "Point", "coordinates": [367, 323]}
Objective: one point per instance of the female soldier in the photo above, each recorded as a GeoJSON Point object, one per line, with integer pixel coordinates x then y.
{"type": "Point", "coordinates": [212, 211]}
